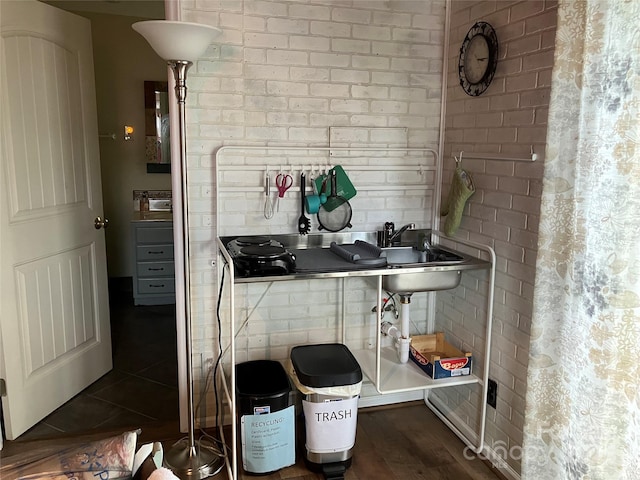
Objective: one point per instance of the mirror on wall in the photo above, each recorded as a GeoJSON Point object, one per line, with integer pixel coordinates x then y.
{"type": "Point", "coordinates": [156, 110]}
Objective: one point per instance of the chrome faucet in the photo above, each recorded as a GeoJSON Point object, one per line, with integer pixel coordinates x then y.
{"type": "Point", "coordinates": [389, 235]}
{"type": "Point", "coordinates": [424, 243]}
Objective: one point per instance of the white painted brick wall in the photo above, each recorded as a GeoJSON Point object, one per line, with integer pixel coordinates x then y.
{"type": "Point", "coordinates": [297, 69]}
{"type": "Point", "coordinates": [508, 118]}
{"type": "Point", "coordinates": [286, 72]}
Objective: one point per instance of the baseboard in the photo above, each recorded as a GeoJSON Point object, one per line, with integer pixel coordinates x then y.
{"type": "Point", "coordinates": [488, 454]}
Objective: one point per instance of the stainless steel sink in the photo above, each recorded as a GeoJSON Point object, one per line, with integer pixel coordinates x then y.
{"type": "Point", "coordinates": [441, 276]}
{"type": "Point", "coordinates": [403, 256]}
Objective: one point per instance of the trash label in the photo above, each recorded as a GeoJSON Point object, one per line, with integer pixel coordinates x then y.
{"type": "Point", "coordinates": [330, 426]}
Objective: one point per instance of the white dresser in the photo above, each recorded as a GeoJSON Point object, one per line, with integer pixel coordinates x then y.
{"type": "Point", "coordinates": [153, 273]}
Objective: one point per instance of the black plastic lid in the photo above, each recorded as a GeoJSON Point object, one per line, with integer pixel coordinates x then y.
{"type": "Point", "coordinates": [262, 378]}
{"type": "Point", "coordinates": [325, 365]}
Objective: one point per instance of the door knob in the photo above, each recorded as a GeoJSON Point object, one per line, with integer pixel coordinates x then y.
{"type": "Point", "coordinates": [100, 222]}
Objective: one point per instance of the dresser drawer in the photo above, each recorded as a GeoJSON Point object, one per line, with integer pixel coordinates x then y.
{"type": "Point", "coordinates": [156, 285]}
{"type": "Point", "coordinates": [154, 252]}
{"type": "Point", "coordinates": [155, 269]}
{"type": "Point", "coordinates": [147, 234]}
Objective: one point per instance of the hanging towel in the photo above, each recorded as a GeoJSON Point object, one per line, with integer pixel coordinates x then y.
{"type": "Point", "coordinates": [461, 189]}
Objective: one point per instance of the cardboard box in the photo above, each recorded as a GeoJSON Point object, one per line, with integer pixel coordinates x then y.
{"type": "Point", "coordinates": [437, 358]}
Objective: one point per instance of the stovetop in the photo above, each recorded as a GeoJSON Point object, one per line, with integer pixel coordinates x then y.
{"type": "Point", "coordinates": [253, 245]}
{"type": "Point", "coordinates": [259, 256]}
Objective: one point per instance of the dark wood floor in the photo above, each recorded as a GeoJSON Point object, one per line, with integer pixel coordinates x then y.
{"type": "Point", "coordinates": [404, 443]}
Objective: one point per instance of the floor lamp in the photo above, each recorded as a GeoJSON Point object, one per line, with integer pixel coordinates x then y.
{"type": "Point", "coordinates": [180, 44]}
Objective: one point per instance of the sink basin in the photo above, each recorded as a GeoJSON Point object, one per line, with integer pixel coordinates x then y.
{"type": "Point", "coordinates": [401, 256]}
{"type": "Point", "coordinates": [436, 279]}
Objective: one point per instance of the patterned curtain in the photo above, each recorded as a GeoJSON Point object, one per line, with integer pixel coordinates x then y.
{"type": "Point", "coordinates": [582, 417]}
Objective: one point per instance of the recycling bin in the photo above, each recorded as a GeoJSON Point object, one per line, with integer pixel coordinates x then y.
{"type": "Point", "coordinates": [329, 380]}
{"type": "Point", "coordinates": [267, 418]}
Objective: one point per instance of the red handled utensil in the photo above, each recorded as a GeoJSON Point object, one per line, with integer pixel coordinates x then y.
{"type": "Point", "coordinates": [283, 183]}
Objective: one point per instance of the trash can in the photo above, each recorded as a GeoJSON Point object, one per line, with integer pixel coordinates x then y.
{"type": "Point", "coordinates": [267, 419]}
{"type": "Point", "coordinates": [329, 378]}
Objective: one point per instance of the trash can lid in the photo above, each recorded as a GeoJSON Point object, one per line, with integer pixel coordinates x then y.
{"type": "Point", "coordinates": [261, 378]}
{"type": "Point", "coordinates": [325, 365]}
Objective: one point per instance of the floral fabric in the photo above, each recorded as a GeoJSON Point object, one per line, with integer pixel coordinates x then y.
{"type": "Point", "coordinates": [583, 396]}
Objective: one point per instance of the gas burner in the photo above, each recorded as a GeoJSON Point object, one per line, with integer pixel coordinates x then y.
{"type": "Point", "coordinates": [260, 256]}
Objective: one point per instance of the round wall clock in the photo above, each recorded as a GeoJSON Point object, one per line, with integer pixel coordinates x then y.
{"type": "Point", "coordinates": [478, 58]}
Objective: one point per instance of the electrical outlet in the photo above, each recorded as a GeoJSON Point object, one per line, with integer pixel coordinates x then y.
{"type": "Point", "coordinates": [492, 393]}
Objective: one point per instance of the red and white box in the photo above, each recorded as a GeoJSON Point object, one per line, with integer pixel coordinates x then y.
{"type": "Point", "coordinates": [439, 359]}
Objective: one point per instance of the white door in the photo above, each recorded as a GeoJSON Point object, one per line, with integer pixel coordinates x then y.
{"type": "Point", "coordinates": [54, 311]}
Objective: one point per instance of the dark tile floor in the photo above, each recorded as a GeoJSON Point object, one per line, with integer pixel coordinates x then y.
{"type": "Point", "coordinates": [142, 388]}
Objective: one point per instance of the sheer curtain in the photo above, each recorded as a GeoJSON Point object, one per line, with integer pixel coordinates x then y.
{"type": "Point", "coordinates": [583, 396]}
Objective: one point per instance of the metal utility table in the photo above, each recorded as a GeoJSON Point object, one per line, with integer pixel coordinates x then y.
{"type": "Point", "coordinates": [379, 364]}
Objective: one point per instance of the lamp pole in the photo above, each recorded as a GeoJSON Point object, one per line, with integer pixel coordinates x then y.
{"type": "Point", "coordinates": [179, 69]}
{"type": "Point", "coordinates": [187, 458]}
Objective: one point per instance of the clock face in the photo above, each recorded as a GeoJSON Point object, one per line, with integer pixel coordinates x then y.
{"type": "Point", "coordinates": [478, 59]}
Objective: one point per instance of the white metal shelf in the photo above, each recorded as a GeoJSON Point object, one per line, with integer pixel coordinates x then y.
{"type": "Point", "coordinates": [286, 167]}
{"type": "Point", "coordinates": [379, 365]}
{"type": "Point", "coordinates": [397, 377]}
{"type": "Point", "coordinates": [478, 446]}
{"type": "Point", "coordinates": [361, 188]}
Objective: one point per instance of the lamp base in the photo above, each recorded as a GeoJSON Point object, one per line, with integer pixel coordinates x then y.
{"type": "Point", "coordinates": [194, 463]}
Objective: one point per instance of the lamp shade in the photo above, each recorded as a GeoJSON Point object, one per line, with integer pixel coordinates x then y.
{"type": "Point", "coordinates": [177, 40]}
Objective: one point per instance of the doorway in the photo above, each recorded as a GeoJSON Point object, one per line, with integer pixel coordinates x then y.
{"type": "Point", "coordinates": [142, 387]}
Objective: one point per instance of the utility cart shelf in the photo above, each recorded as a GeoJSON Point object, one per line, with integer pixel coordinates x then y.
{"type": "Point", "coordinates": [379, 172]}
{"type": "Point", "coordinates": [379, 364]}
{"type": "Point", "coordinates": [402, 377]}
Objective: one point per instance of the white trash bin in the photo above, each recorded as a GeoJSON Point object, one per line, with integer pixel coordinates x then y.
{"type": "Point", "coordinates": [330, 379]}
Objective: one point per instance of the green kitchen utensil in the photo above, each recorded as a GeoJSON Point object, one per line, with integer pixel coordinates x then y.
{"type": "Point", "coordinates": [344, 188]}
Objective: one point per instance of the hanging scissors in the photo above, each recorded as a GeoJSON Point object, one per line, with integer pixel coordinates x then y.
{"type": "Point", "coordinates": [283, 183]}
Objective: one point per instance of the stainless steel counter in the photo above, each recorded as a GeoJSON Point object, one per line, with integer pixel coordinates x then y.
{"type": "Point", "coordinates": [307, 244]}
